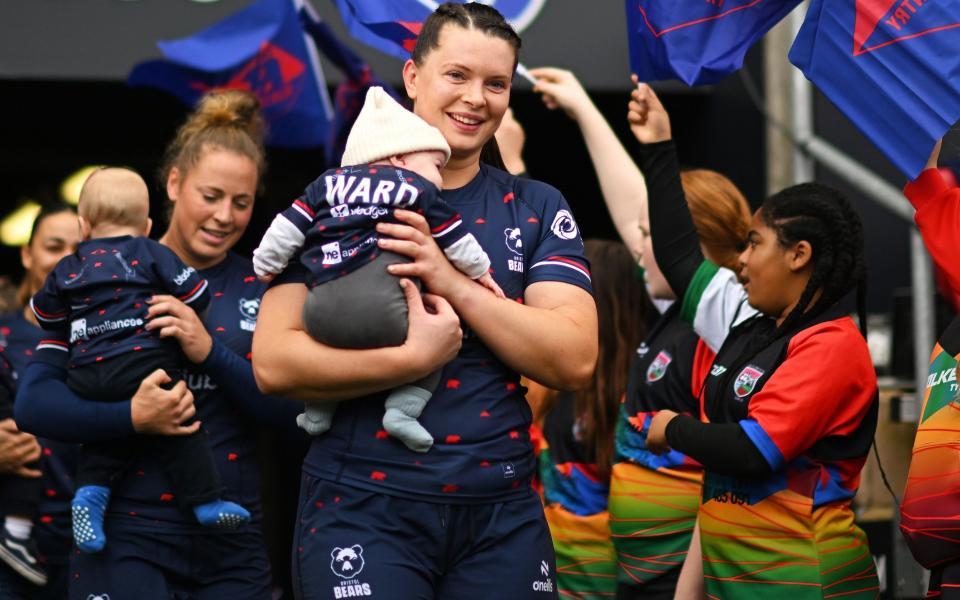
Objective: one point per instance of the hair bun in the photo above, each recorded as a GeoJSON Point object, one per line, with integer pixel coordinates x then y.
{"type": "Point", "coordinates": [236, 108]}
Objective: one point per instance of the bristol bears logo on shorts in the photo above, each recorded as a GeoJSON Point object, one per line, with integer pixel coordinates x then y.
{"type": "Point", "coordinates": [658, 368]}
{"type": "Point", "coordinates": [347, 563]}
{"type": "Point", "coordinates": [98, 597]}
{"type": "Point", "coordinates": [746, 381]}
{"type": "Point", "coordinates": [249, 308]}
{"type": "Point", "coordinates": [563, 226]}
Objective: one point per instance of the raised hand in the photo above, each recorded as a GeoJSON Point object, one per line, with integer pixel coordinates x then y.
{"type": "Point", "coordinates": [648, 119]}
{"type": "Point", "coordinates": [561, 89]}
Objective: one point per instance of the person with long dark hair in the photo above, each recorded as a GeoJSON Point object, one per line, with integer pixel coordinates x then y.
{"type": "Point", "coordinates": [460, 520]}
{"type": "Point", "coordinates": [53, 235]}
{"type": "Point", "coordinates": [576, 450]}
{"type": "Point", "coordinates": [789, 404]}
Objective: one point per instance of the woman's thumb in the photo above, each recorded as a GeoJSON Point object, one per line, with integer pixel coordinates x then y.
{"type": "Point", "coordinates": [412, 294]}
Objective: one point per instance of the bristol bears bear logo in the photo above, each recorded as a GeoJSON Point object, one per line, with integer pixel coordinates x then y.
{"type": "Point", "coordinates": [98, 597]}
{"type": "Point", "coordinates": [347, 563]}
{"type": "Point", "coordinates": [513, 239]}
{"type": "Point", "coordinates": [249, 308]}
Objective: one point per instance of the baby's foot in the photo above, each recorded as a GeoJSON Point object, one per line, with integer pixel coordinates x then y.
{"type": "Point", "coordinates": [221, 513]}
{"type": "Point", "coordinates": [87, 510]}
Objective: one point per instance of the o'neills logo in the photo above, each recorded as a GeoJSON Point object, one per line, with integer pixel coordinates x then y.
{"type": "Point", "coordinates": [545, 584]}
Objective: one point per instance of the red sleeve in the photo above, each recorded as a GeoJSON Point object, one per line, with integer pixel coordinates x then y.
{"type": "Point", "coordinates": [702, 362]}
{"type": "Point", "coordinates": [824, 387]}
{"type": "Point", "coordinates": [938, 217]}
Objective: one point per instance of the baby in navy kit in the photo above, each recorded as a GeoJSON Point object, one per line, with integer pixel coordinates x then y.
{"type": "Point", "coordinates": [101, 293]}
{"type": "Point", "coordinates": [392, 160]}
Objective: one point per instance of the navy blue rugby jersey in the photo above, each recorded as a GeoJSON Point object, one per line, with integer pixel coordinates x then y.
{"type": "Point", "coordinates": [478, 416]}
{"type": "Point", "coordinates": [18, 340]}
{"type": "Point", "coordinates": [145, 498]}
{"type": "Point", "coordinates": [338, 214]}
{"type": "Point", "coordinates": [101, 291]}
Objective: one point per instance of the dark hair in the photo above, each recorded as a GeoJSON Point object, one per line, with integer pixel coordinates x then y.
{"type": "Point", "coordinates": [46, 210]}
{"type": "Point", "coordinates": [472, 15]}
{"type": "Point", "coordinates": [824, 218]}
{"type": "Point", "coordinates": [228, 119]}
{"type": "Point", "coordinates": [622, 311]}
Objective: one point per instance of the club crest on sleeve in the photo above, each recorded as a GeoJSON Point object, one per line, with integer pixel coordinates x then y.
{"type": "Point", "coordinates": [563, 226]}
{"type": "Point", "coordinates": [658, 368]}
{"type": "Point", "coordinates": [746, 381]}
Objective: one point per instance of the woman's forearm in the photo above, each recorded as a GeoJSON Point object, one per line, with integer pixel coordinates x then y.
{"type": "Point", "coordinates": [288, 362]}
{"type": "Point", "coordinates": [45, 406]}
{"type": "Point", "coordinates": [621, 182]}
{"type": "Point", "coordinates": [550, 338]}
{"type": "Point", "coordinates": [675, 240]}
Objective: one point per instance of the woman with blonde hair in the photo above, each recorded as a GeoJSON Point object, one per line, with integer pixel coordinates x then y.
{"type": "Point", "coordinates": [156, 549]}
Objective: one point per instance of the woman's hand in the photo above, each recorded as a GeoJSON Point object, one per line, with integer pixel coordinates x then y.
{"type": "Point", "coordinates": [657, 434]}
{"type": "Point", "coordinates": [934, 155]}
{"type": "Point", "coordinates": [17, 450]}
{"type": "Point", "coordinates": [434, 336]}
{"type": "Point", "coordinates": [154, 410]}
{"type": "Point", "coordinates": [561, 89]}
{"type": "Point", "coordinates": [648, 119]}
{"type": "Point", "coordinates": [413, 239]}
{"type": "Point", "coordinates": [175, 319]}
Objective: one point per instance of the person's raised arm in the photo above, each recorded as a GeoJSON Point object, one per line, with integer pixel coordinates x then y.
{"type": "Point", "coordinates": [675, 240]}
{"type": "Point", "coordinates": [938, 217]}
{"type": "Point", "coordinates": [621, 182]}
{"type": "Point", "coordinates": [288, 362]}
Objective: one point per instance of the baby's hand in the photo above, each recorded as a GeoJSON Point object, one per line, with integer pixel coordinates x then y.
{"type": "Point", "coordinates": [266, 277]}
{"type": "Point", "coordinates": [486, 280]}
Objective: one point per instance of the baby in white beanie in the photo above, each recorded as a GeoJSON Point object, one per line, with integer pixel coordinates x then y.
{"type": "Point", "coordinates": [392, 160]}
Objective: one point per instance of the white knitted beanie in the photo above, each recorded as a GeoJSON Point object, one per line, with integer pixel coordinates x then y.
{"type": "Point", "coordinates": [384, 129]}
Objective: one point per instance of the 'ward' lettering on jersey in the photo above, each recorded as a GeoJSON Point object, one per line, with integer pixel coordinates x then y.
{"type": "Point", "coordinates": [351, 189]}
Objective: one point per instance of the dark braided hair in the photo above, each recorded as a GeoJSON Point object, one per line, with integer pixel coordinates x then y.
{"type": "Point", "coordinates": [823, 217]}
{"type": "Point", "coordinates": [471, 15]}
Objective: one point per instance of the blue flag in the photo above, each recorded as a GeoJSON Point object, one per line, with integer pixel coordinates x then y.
{"type": "Point", "coordinates": [350, 94]}
{"type": "Point", "coordinates": [391, 27]}
{"type": "Point", "coordinates": [891, 66]}
{"type": "Point", "coordinates": [697, 41]}
{"type": "Point", "coordinates": [262, 49]}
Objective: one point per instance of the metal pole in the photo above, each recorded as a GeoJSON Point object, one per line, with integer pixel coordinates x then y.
{"type": "Point", "coordinates": [924, 312]}
{"type": "Point", "coordinates": [801, 92]}
{"type": "Point", "coordinates": [858, 176]}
